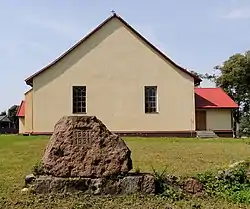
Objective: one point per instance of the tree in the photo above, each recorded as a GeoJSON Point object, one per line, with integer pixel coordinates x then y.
{"type": "Point", "coordinates": [235, 80]}
{"type": "Point", "coordinates": [245, 126]}
{"type": "Point", "coordinates": [12, 114]}
{"type": "Point", "coordinates": [204, 76]}
{"type": "Point", "coordinates": [234, 77]}
{"type": "Point", "coordinates": [3, 113]}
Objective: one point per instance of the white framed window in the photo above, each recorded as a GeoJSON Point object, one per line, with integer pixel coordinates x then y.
{"type": "Point", "coordinates": [79, 99]}
{"type": "Point", "coordinates": [150, 99]}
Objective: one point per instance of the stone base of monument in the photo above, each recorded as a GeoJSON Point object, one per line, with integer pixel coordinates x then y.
{"type": "Point", "coordinates": [130, 184]}
{"type": "Point", "coordinates": [84, 156]}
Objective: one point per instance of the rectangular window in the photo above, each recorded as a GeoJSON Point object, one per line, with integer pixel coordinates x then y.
{"type": "Point", "coordinates": [79, 99]}
{"type": "Point", "coordinates": [150, 99]}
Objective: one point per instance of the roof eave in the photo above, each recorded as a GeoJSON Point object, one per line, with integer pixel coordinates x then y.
{"type": "Point", "coordinates": [215, 107]}
{"type": "Point", "coordinates": [29, 82]}
{"type": "Point", "coordinates": [197, 81]}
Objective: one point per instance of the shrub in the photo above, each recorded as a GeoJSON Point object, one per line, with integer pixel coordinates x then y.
{"type": "Point", "coordinates": [231, 183]}
{"type": "Point", "coordinates": [160, 180]}
{"type": "Point", "coordinates": [164, 188]}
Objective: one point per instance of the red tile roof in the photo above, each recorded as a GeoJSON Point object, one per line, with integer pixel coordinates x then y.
{"type": "Point", "coordinates": [21, 110]}
{"type": "Point", "coordinates": [213, 98]}
{"type": "Point", "coordinates": [29, 80]}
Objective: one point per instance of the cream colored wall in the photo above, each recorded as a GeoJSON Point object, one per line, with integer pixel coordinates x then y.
{"type": "Point", "coordinates": [21, 125]}
{"type": "Point", "coordinates": [219, 119]}
{"type": "Point", "coordinates": [29, 111]}
{"type": "Point", "coordinates": [115, 66]}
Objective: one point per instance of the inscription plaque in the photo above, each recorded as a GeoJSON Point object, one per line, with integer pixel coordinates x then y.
{"type": "Point", "coordinates": [81, 138]}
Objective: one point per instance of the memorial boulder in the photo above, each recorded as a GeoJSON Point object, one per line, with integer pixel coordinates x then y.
{"type": "Point", "coordinates": [84, 156]}
{"type": "Point", "coordinates": [82, 146]}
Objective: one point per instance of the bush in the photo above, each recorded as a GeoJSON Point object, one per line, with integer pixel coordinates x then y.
{"type": "Point", "coordinates": [231, 183]}
{"type": "Point", "coordinates": [167, 186]}
{"type": "Point", "coordinates": [245, 126]}
{"type": "Point", "coordinates": [242, 196]}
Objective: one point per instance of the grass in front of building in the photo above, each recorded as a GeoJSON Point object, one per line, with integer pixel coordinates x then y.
{"type": "Point", "coordinates": [18, 154]}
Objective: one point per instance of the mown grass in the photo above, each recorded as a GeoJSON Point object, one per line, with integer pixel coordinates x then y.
{"type": "Point", "coordinates": [185, 157]}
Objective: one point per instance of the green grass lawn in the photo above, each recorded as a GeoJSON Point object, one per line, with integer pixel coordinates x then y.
{"type": "Point", "coordinates": [18, 154]}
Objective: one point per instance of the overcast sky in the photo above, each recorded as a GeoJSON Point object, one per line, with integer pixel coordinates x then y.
{"type": "Point", "coordinates": [197, 34]}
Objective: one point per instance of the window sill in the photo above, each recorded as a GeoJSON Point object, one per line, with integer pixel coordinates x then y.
{"type": "Point", "coordinates": [151, 113]}
{"type": "Point", "coordinates": [79, 113]}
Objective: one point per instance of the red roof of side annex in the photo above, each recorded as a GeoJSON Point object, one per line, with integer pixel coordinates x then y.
{"type": "Point", "coordinates": [213, 98]}
{"type": "Point", "coordinates": [21, 109]}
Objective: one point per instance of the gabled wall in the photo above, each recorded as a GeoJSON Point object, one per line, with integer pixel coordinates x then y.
{"type": "Point", "coordinates": [115, 66]}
